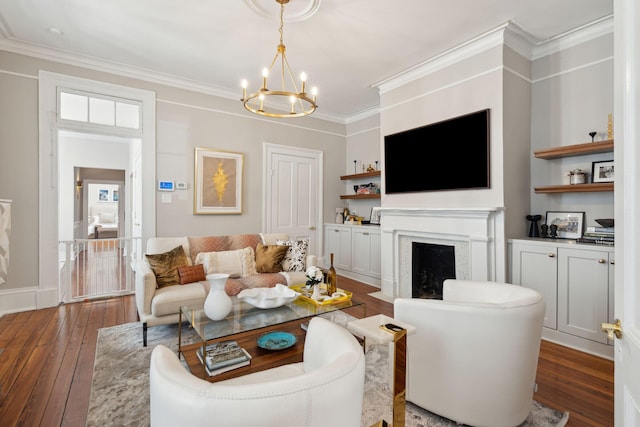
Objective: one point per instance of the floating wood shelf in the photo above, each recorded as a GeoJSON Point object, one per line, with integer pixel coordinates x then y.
{"type": "Point", "coordinates": [360, 175]}
{"type": "Point", "coordinates": [576, 188]}
{"type": "Point", "coordinates": [575, 150]}
{"type": "Point", "coordinates": [361, 196]}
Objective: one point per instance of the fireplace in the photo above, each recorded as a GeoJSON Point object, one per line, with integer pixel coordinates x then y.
{"type": "Point", "coordinates": [431, 265]}
{"type": "Point", "coordinates": [474, 235]}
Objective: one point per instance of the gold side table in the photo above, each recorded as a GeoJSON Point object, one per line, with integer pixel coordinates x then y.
{"type": "Point", "coordinates": [381, 329]}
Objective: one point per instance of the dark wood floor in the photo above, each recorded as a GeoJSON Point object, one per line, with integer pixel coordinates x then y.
{"type": "Point", "coordinates": [46, 365]}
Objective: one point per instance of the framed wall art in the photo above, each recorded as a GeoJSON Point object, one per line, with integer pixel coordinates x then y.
{"type": "Point", "coordinates": [570, 224]}
{"type": "Point", "coordinates": [103, 195]}
{"type": "Point", "coordinates": [602, 171]}
{"type": "Point", "coordinates": [375, 216]}
{"type": "Point", "coordinates": [218, 182]}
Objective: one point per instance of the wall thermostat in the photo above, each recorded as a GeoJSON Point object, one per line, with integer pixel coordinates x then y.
{"type": "Point", "coordinates": [181, 185]}
{"type": "Point", "coordinates": [166, 186]}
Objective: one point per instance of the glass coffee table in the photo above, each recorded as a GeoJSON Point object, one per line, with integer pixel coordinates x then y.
{"type": "Point", "coordinates": [247, 318]}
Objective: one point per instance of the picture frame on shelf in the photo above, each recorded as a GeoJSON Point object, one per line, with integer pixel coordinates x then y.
{"type": "Point", "coordinates": [375, 216]}
{"type": "Point", "coordinates": [218, 182]}
{"type": "Point", "coordinates": [570, 224]}
{"type": "Point", "coordinates": [602, 171]}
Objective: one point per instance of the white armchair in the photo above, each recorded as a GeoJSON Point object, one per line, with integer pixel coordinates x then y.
{"type": "Point", "coordinates": [474, 356]}
{"type": "Point", "coordinates": [325, 389]}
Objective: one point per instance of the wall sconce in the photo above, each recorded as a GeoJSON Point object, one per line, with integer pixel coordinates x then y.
{"type": "Point", "coordinates": [78, 187]}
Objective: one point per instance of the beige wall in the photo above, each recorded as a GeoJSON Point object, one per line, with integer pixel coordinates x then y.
{"type": "Point", "coordinates": [185, 120]}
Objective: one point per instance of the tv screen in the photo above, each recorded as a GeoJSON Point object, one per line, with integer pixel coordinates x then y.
{"type": "Point", "coordinates": [449, 155]}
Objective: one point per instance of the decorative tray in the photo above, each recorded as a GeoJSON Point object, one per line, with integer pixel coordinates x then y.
{"type": "Point", "coordinates": [305, 294]}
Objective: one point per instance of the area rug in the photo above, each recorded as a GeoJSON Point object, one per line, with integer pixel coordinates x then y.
{"type": "Point", "coordinates": [120, 386]}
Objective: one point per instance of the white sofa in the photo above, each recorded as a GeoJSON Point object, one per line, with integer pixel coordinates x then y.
{"type": "Point", "coordinates": [161, 306]}
{"type": "Point", "coordinates": [325, 389]}
{"type": "Point", "coordinates": [474, 356]}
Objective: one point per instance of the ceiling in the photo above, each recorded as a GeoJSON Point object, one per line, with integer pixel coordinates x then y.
{"type": "Point", "coordinates": [344, 46]}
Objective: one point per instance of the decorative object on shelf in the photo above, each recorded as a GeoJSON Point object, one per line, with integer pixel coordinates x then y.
{"type": "Point", "coordinates": [602, 171]}
{"type": "Point", "coordinates": [376, 165]}
{"type": "Point", "coordinates": [355, 166]}
{"type": "Point", "coordinates": [544, 230]}
{"type": "Point", "coordinates": [218, 303]}
{"type": "Point", "coordinates": [314, 276]}
{"type": "Point", "coordinates": [553, 233]}
{"type": "Point", "coordinates": [610, 126]}
{"type": "Point", "coordinates": [280, 103]}
{"type": "Point", "coordinates": [576, 176]}
{"type": "Point", "coordinates": [593, 136]}
{"type": "Point", "coordinates": [345, 213]}
{"type": "Point", "coordinates": [276, 340]}
{"type": "Point", "coordinates": [370, 168]}
{"type": "Point", "coordinates": [332, 278]}
{"type": "Point", "coordinates": [569, 225]}
{"type": "Point", "coordinates": [375, 216]}
{"type": "Point", "coordinates": [339, 217]}
{"type": "Point", "coordinates": [370, 188]}
{"type": "Point", "coordinates": [218, 188]}
{"type": "Point", "coordinates": [533, 226]}
{"type": "Point", "coordinates": [605, 222]}
{"type": "Point", "coordinates": [274, 297]}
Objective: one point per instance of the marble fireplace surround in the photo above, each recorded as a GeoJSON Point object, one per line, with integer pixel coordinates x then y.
{"type": "Point", "coordinates": [477, 235]}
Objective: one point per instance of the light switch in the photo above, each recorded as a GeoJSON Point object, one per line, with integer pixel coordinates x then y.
{"type": "Point", "coordinates": [166, 198]}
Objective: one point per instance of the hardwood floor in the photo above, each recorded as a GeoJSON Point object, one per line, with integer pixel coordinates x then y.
{"type": "Point", "coordinates": [46, 364]}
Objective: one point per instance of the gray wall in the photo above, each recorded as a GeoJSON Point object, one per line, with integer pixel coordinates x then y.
{"type": "Point", "coordinates": [185, 120]}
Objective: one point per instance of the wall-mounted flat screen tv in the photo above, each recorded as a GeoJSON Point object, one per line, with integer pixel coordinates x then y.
{"type": "Point", "coordinates": [449, 155]}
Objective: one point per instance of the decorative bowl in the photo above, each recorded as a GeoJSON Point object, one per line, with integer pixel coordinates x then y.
{"type": "Point", "coordinates": [268, 297]}
{"type": "Point", "coordinates": [605, 222]}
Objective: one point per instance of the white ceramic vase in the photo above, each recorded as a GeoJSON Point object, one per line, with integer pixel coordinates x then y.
{"type": "Point", "coordinates": [218, 303]}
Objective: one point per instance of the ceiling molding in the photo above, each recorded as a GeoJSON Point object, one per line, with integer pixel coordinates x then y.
{"type": "Point", "coordinates": [590, 31]}
{"type": "Point", "coordinates": [507, 33]}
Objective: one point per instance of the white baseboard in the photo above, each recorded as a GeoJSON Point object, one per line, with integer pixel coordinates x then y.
{"type": "Point", "coordinates": [24, 299]}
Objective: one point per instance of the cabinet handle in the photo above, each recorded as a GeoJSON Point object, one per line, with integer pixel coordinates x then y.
{"type": "Point", "coordinates": [336, 231]}
{"type": "Point", "coordinates": [313, 227]}
{"type": "Point", "coordinates": [612, 262]}
{"type": "Point", "coordinates": [551, 255]}
{"type": "Point", "coordinates": [602, 261]}
{"type": "Point", "coordinates": [365, 234]}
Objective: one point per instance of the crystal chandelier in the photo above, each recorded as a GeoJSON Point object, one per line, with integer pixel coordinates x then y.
{"type": "Point", "coordinates": [288, 101]}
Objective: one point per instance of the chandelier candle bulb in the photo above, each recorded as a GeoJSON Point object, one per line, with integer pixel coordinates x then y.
{"type": "Point", "coordinates": [265, 74]}
{"type": "Point", "coordinates": [292, 99]}
{"type": "Point", "coordinates": [244, 89]}
{"type": "Point", "coordinates": [303, 78]}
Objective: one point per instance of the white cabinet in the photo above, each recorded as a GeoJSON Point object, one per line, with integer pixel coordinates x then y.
{"type": "Point", "coordinates": [338, 238]}
{"type": "Point", "coordinates": [356, 251]}
{"type": "Point", "coordinates": [576, 282]}
{"type": "Point", "coordinates": [536, 267]}
{"type": "Point", "coordinates": [583, 292]}
{"type": "Point", "coordinates": [365, 254]}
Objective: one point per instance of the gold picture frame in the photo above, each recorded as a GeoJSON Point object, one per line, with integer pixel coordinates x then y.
{"type": "Point", "coordinates": [218, 182]}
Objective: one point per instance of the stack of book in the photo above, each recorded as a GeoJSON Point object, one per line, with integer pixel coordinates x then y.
{"type": "Point", "coordinates": [599, 236]}
{"type": "Point", "coordinates": [223, 356]}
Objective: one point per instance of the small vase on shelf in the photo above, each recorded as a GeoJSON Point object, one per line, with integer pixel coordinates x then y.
{"type": "Point", "coordinates": [218, 303]}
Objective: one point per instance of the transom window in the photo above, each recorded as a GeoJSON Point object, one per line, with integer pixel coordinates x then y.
{"type": "Point", "coordinates": [99, 110]}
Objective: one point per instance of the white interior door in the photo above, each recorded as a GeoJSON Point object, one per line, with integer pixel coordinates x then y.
{"type": "Point", "coordinates": [627, 210]}
{"type": "Point", "coordinates": [293, 193]}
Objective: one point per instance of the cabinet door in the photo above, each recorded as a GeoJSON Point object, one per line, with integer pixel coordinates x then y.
{"type": "Point", "coordinates": [365, 255]}
{"type": "Point", "coordinates": [583, 292]}
{"type": "Point", "coordinates": [536, 267]}
{"type": "Point", "coordinates": [338, 242]}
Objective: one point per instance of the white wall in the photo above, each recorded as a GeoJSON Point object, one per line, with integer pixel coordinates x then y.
{"type": "Point", "coordinates": [572, 94]}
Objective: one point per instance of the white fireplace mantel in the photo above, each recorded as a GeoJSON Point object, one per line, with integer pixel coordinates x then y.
{"type": "Point", "coordinates": [479, 232]}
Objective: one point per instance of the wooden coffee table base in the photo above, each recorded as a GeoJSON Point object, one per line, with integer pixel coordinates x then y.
{"type": "Point", "coordinates": [261, 359]}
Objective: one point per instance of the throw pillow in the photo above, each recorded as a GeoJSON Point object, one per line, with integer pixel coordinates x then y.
{"type": "Point", "coordinates": [269, 258]}
{"type": "Point", "coordinates": [165, 266]}
{"type": "Point", "coordinates": [296, 256]}
{"type": "Point", "coordinates": [191, 273]}
{"type": "Point", "coordinates": [238, 263]}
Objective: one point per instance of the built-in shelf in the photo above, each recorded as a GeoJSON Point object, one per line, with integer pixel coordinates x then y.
{"type": "Point", "coordinates": [575, 150]}
{"type": "Point", "coordinates": [576, 188]}
{"type": "Point", "coordinates": [361, 196]}
{"type": "Point", "coordinates": [360, 175]}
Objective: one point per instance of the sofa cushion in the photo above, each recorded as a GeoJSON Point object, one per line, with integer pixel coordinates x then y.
{"type": "Point", "coordinates": [222, 243]}
{"type": "Point", "coordinates": [191, 273]}
{"type": "Point", "coordinates": [269, 258]}
{"type": "Point", "coordinates": [158, 245]}
{"type": "Point", "coordinates": [296, 256]}
{"type": "Point", "coordinates": [236, 263]}
{"type": "Point", "coordinates": [168, 300]}
{"type": "Point", "coordinates": [165, 266]}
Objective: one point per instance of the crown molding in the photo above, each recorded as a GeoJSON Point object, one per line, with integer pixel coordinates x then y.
{"type": "Point", "coordinates": [590, 31]}
{"type": "Point", "coordinates": [508, 33]}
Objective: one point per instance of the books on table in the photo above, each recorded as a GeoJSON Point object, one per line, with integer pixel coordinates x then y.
{"type": "Point", "coordinates": [223, 356]}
